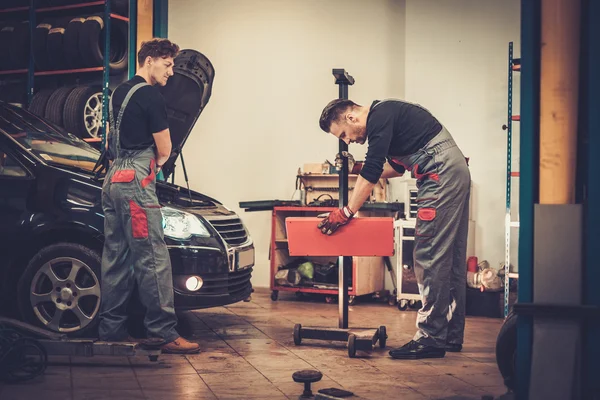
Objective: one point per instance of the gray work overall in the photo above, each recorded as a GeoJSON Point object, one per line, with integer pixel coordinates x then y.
{"type": "Point", "coordinates": [444, 185]}
{"type": "Point", "coordinates": [134, 246]}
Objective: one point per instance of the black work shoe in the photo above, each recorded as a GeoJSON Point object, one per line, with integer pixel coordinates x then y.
{"type": "Point", "coordinates": [415, 350]}
{"type": "Point", "coordinates": [453, 347]}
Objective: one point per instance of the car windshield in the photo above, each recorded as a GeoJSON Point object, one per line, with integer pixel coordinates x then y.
{"type": "Point", "coordinates": [46, 140]}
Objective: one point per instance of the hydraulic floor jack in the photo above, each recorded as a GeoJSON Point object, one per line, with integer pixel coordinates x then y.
{"type": "Point", "coordinates": [24, 349]}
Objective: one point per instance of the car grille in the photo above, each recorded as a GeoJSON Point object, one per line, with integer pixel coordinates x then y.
{"type": "Point", "coordinates": [232, 283]}
{"type": "Point", "coordinates": [232, 230]}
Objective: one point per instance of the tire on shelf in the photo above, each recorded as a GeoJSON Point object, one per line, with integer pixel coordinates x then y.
{"type": "Point", "coordinates": [6, 35]}
{"type": "Point", "coordinates": [91, 44]}
{"type": "Point", "coordinates": [40, 36]}
{"type": "Point", "coordinates": [54, 45]}
{"type": "Point", "coordinates": [120, 7]}
{"type": "Point", "coordinates": [39, 102]}
{"type": "Point", "coordinates": [56, 105]}
{"type": "Point", "coordinates": [82, 114]}
{"type": "Point", "coordinates": [19, 46]}
{"type": "Point", "coordinates": [71, 43]}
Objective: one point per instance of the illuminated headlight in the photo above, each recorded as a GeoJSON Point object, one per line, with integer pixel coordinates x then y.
{"type": "Point", "coordinates": [182, 225]}
{"type": "Point", "coordinates": [193, 283]}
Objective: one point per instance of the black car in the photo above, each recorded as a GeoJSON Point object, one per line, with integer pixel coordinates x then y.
{"type": "Point", "coordinates": [51, 219]}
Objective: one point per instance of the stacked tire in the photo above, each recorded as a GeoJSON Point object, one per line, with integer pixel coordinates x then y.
{"type": "Point", "coordinates": [77, 109]}
{"type": "Point", "coordinates": [14, 45]}
{"type": "Point", "coordinates": [78, 42]}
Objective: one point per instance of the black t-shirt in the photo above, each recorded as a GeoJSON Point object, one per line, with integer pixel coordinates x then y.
{"type": "Point", "coordinates": [145, 114]}
{"type": "Point", "coordinates": [395, 128]}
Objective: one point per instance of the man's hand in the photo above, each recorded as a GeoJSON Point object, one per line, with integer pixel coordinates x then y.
{"type": "Point", "coordinates": [335, 219]}
{"type": "Point", "coordinates": [339, 160]}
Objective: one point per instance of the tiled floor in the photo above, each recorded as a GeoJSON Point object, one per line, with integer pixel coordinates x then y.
{"type": "Point", "coordinates": [248, 353]}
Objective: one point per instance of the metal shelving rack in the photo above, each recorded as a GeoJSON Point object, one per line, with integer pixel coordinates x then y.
{"type": "Point", "coordinates": [514, 65]}
{"type": "Point", "coordinates": [33, 11]}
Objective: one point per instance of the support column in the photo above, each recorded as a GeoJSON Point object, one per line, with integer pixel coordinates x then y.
{"type": "Point", "coordinates": [558, 221]}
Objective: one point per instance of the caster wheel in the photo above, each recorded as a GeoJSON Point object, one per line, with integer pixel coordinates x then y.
{"type": "Point", "coordinates": [299, 295]}
{"type": "Point", "coordinates": [153, 358]}
{"type": "Point", "coordinates": [412, 303]}
{"type": "Point", "coordinates": [297, 334]}
{"type": "Point", "coordinates": [351, 300]}
{"type": "Point", "coordinates": [382, 337]}
{"type": "Point", "coordinates": [248, 299]}
{"type": "Point", "coordinates": [274, 295]}
{"type": "Point", "coordinates": [329, 299]}
{"type": "Point", "coordinates": [402, 305]}
{"type": "Point", "coordinates": [352, 346]}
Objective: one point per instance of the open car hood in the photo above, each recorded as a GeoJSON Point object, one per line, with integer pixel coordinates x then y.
{"type": "Point", "coordinates": [186, 94]}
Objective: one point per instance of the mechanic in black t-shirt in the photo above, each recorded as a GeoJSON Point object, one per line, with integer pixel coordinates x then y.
{"type": "Point", "coordinates": [134, 247]}
{"type": "Point", "coordinates": [403, 136]}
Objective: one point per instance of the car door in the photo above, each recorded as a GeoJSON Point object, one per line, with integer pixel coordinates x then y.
{"type": "Point", "coordinates": [16, 185]}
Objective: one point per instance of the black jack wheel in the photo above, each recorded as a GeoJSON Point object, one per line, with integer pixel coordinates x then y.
{"type": "Point", "coordinates": [274, 295]}
{"type": "Point", "coordinates": [382, 337]}
{"type": "Point", "coordinates": [352, 345]}
{"type": "Point", "coordinates": [297, 334]}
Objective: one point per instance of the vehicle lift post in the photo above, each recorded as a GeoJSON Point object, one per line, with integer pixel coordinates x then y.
{"type": "Point", "coordinates": [21, 343]}
{"type": "Point", "coordinates": [357, 338]}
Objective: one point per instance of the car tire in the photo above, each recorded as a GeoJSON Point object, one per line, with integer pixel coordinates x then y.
{"type": "Point", "coordinates": [56, 105]}
{"type": "Point", "coordinates": [71, 43]}
{"type": "Point", "coordinates": [40, 36]}
{"type": "Point", "coordinates": [55, 48]}
{"type": "Point", "coordinates": [40, 101]}
{"type": "Point", "coordinates": [506, 350]}
{"type": "Point", "coordinates": [6, 34]}
{"type": "Point", "coordinates": [64, 281]}
{"type": "Point", "coordinates": [19, 45]}
{"type": "Point", "coordinates": [82, 114]}
{"type": "Point", "coordinates": [91, 44]}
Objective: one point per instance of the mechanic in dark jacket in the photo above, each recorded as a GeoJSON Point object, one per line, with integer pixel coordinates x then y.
{"type": "Point", "coordinates": [404, 136]}
{"type": "Point", "coordinates": [134, 247]}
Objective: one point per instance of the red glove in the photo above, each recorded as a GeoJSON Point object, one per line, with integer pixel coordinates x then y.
{"type": "Point", "coordinates": [335, 219]}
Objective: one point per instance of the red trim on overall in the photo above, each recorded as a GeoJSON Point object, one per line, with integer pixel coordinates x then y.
{"type": "Point", "coordinates": [431, 175]}
{"type": "Point", "coordinates": [123, 176]}
{"type": "Point", "coordinates": [146, 181]}
{"type": "Point", "coordinates": [139, 221]}
{"type": "Point", "coordinates": [426, 214]}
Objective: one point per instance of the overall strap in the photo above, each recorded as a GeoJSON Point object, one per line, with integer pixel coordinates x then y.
{"type": "Point", "coordinates": [115, 127]}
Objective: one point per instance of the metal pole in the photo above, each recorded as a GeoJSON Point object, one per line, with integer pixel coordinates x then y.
{"type": "Point", "coordinates": [106, 74]}
{"type": "Point", "coordinates": [343, 79]}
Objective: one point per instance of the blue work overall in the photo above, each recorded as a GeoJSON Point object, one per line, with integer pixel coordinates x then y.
{"type": "Point", "coordinates": [444, 185]}
{"type": "Point", "coordinates": [134, 246]}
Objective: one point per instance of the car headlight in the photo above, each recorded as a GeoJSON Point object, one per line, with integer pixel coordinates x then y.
{"type": "Point", "coordinates": [182, 225]}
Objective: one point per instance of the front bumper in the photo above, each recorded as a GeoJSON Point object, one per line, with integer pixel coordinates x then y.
{"type": "Point", "coordinates": [224, 281]}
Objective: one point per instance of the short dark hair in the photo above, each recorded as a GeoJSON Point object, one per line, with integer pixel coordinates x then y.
{"type": "Point", "coordinates": [157, 48]}
{"type": "Point", "coordinates": [332, 112]}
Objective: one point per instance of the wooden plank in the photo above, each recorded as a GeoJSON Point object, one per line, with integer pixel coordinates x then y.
{"type": "Point", "coordinates": [559, 96]}
{"type": "Point", "coordinates": [372, 236]}
{"type": "Point", "coordinates": [144, 24]}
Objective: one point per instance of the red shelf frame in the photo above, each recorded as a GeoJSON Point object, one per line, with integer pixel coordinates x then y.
{"type": "Point", "coordinates": [71, 6]}
{"type": "Point", "coordinates": [69, 71]}
{"type": "Point", "coordinates": [273, 249]}
{"type": "Point", "coordinates": [13, 71]}
{"type": "Point", "coordinates": [14, 9]}
{"type": "Point", "coordinates": [83, 5]}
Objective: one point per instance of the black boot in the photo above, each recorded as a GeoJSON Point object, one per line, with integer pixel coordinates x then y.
{"type": "Point", "coordinates": [415, 350]}
{"type": "Point", "coordinates": [453, 347]}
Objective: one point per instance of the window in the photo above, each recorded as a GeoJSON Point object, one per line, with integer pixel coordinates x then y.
{"type": "Point", "coordinates": [9, 167]}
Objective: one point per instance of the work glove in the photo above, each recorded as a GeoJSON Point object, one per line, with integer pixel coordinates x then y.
{"type": "Point", "coordinates": [335, 219]}
{"type": "Point", "coordinates": [354, 167]}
